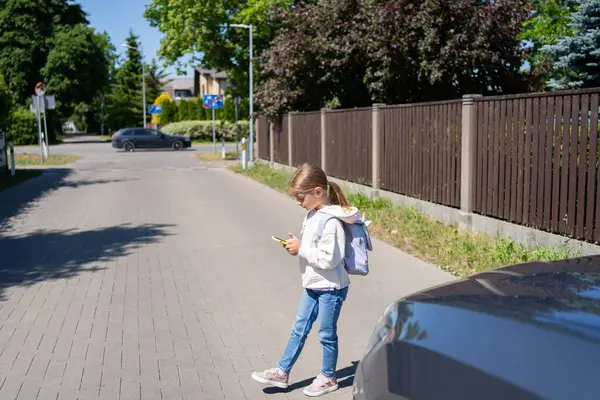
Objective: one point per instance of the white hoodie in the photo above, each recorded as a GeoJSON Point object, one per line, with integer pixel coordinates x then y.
{"type": "Point", "coordinates": [322, 261]}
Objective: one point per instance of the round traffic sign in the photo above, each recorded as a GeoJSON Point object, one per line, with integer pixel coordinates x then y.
{"type": "Point", "coordinates": [40, 88]}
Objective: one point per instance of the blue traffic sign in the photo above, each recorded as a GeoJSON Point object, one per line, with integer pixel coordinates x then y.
{"type": "Point", "coordinates": [213, 101]}
{"type": "Point", "coordinates": [155, 109]}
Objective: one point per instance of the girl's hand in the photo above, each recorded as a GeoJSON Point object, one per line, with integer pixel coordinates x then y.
{"type": "Point", "coordinates": [293, 246]}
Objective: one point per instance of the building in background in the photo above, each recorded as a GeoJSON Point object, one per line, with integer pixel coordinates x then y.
{"type": "Point", "coordinates": [209, 81]}
{"type": "Point", "coordinates": [180, 88]}
{"type": "Point", "coordinates": [205, 81]}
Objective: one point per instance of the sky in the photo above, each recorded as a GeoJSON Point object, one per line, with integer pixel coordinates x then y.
{"type": "Point", "coordinates": [117, 17]}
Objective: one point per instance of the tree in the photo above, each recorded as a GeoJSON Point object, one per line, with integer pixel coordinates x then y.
{"type": "Point", "coordinates": [155, 77]}
{"type": "Point", "coordinates": [50, 40]}
{"type": "Point", "coordinates": [315, 57]}
{"type": "Point", "coordinates": [28, 27]}
{"type": "Point", "coordinates": [125, 98]}
{"type": "Point", "coordinates": [576, 59]}
{"type": "Point", "coordinates": [182, 110]}
{"type": "Point", "coordinates": [353, 53]}
{"type": "Point", "coordinates": [6, 104]}
{"type": "Point", "coordinates": [441, 50]}
{"type": "Point", "coordinates": [197, 32]}
{"type": "Point", "coordinates": [549, 22]}
{"type": "Point", "coordinates": [192, 110]}
{"type": "Point", "coordinates": [74, 86]}
{"type": "Point", "coordinates": [169, 112]}
{"type": "Point", "coordinates": [201, 115]}
{"type": "Point", "coordinates": [228, 109]}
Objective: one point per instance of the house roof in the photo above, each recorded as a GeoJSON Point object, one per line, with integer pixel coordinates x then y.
{"type": "Point", "coordinates": [179, 83]}
{"type": "Point", "coordinates": [211, 72]}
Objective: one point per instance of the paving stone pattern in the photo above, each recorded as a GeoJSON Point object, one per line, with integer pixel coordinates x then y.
{"type": "Point", "coordinates": [153, 276]}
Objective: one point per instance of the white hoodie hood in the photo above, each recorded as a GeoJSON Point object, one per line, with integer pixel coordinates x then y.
{"type": "Point", "coordinates": [347, 214]}
{"type": "Point", "coordinates": [321, 260]}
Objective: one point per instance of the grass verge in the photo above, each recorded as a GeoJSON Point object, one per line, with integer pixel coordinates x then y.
{"type": "Point", "coordinates": [204, 141]}
{"type": "Point", "coordinates": [22, 175]}
{"type": "Point", "coordinates": [25, 160]}
{"type": "Point", "coordinates": [230, 155]}
{"type": "Point", "coordinates": [459, 252]}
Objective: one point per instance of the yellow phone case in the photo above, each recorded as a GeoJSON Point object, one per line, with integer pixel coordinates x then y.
{"type": "Point", "coordinates": [280, 241]}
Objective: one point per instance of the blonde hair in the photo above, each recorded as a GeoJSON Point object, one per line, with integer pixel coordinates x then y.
{"type": "Point", "coordinates": [309, 177]}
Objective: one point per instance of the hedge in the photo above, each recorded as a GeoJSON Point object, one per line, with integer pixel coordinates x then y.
{"type": "Point", "coordinates": [202, 130]}
{"type": "Point", "coordinates": [22, 127]}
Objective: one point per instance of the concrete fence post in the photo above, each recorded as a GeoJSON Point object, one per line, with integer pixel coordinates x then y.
{"type": "Point", "coordinates": [468, 158]}
{"type": "Point", "coordinates": [271, 144]}
{"type": "Point", "coordinates": [290, 147]}
{"type": "Point", "coordinates": [375, 151]}
{"type": "Point", "coordinates": [323, 140]}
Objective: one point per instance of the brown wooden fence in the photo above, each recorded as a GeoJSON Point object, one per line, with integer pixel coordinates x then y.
{"type": "Point", "coordinates": [263, 137]}
{"type": "Point", "coordinates": [280, 138]}
{"type": "Point", "coordinates": [537, 156]}
{"type": "Point", "coordinates": [306, 138]}
{"type": "Point", "coordinates": [537, 161]}
{"type": "Point", "coordinates": [348, 144]}
{"type": "Point", "coordinates": [420, 152]}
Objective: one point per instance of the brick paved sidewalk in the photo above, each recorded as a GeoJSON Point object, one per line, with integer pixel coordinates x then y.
{"type": "Point", "coordinates": [164, 284]}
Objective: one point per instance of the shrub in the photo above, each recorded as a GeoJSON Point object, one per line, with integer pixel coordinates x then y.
{"type": "Point", "coordinates": [202, 130]}
{"type": "Point", "coordinates": [21, 129]}
{"type": "Point", "coordinates": [6, 103]}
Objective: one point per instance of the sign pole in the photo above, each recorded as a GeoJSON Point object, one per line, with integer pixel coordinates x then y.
{"type": "Point", "coordinates": [40, 91]}
{"type": "Point", "coordinates": [214, 132]}
{"type": "Point", "coordinates": [12, 158]}
{"type": "Point", "coordinates": [237, 155]}
{"type": "Point", "coordinates": [39, 124]}
{"type": "Point", "coordinates": [47, 140]}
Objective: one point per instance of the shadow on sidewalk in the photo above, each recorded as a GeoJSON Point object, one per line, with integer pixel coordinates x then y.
{"type": "Point", "coordinates": [25, 196]}
{"type": "Point", "coordinates": [49, 255]}
{"type": "Point", "coordinates": [345, 378]}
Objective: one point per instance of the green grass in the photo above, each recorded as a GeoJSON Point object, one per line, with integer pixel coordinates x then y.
{"type": "Point", "coordinates": [23, 160]}
{"type": "Point", "coordinates": [459, 252]}
{"type": "Point", "coordinates": [7, 181]}
{"type": "Point", "coordinates": [209, 141]}
{"type": "Point", "coordinates": [230, 155]}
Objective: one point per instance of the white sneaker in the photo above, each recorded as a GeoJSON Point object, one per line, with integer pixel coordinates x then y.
{"type": "Point", "coordinates": [320, 386]}
{"type": "Point", "coordinates": [273, 377]}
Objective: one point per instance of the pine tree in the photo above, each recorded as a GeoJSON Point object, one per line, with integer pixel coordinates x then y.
{"type": "Point", "coordinates": [182, 110]}
{"type": "Point", "coordinates": [577, 58]}
{"type": "Point", "coordinates": [192, 110]}
{"type": "Point", "coordinates": [228, 109]}
{"type": "Point", "coordinates": [169, 112]}
{"type": "Point", "coordinates": [201, 115]}
{"type": "Point", "coordinates": [125, 100]}
{"type": "Point", "coordinates": [155, 76]}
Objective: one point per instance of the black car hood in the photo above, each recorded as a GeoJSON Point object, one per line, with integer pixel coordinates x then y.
{"type": "Point", "coordinates": [562, 294]}
{"type": "Point", "coordinates": [528, 331]}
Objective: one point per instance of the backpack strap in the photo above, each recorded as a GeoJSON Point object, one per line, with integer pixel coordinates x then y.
{"type": "Point", "coordinates": [321, 226]}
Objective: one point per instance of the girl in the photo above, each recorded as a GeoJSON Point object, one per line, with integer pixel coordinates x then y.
{"type": "Point", "coordinates": [324, 276]}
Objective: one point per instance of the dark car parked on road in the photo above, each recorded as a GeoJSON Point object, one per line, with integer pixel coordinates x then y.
{"type": "Point", "coordinates": [130, 139]}
{"type": "Point", "coordinates": [528, 331]}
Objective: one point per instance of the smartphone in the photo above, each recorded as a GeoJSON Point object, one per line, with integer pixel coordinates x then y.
{"type": "Point", "coordinates": [279, 240]}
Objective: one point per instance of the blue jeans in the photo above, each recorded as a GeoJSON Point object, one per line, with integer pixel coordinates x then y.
{"type": "Point", "coordinates": [327, 305]}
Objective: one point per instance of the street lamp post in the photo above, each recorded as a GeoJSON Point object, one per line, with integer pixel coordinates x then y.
{"type": "Point", "coordinates": [143, 78]}
{"type": "Point", "coordinates": [251, 160]}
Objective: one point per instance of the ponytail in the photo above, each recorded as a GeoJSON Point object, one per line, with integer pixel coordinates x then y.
{"type": "Point", "coordinates": [335, 195]}
{"type": "Point", "coordinates": [308, 177]}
